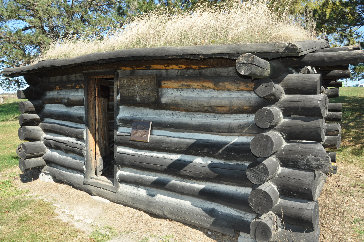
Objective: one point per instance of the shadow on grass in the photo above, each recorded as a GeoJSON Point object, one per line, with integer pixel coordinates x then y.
{"type": "Point", "coordinates": [9, 111]}
{"type": "Point", "coordinates": [352, 123]}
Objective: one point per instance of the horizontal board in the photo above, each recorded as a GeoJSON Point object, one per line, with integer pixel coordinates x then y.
{"type": "Point", "coordinates": [208, 122]}
{"type": "Point", "coordinates": [185, 165]}
{"type": "Point", "coordinates": [216, 146]}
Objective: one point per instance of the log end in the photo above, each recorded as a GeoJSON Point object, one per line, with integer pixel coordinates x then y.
{"type": "Point", "coordinates": [264, 227]}
{"type": "Point", "coordinates": [268, 117]}
{"type": "Point", "coordinates": [253, 66]}
{"type": "Point", "coordinates": [262, 172]}
{"type": "Point", "coordinates": [266, 144]}
{"type": "Point", "coordinates": [263, 198]}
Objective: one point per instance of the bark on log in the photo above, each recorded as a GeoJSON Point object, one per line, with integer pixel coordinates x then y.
{"type": "Point", "coordinates": [251, 65]}
{"type": "Point", "coordinates": [63, 130]}
{"type": "Point", "coordinates": [332, 156]}
{"type": "Point", "coordinates": [33, 106]}
{"type": "Point", "coordinates": [30, 133]}
{"type": "Point", "coordinates": [332, 129]}
{"type": "Point", "coordinates": [305, 156]}
{"type": "Point", "coordinates": [220, 193]}
{"type": "Point", "coordinates": [216, 146]}
{"type": "Point", "coordinates": [266, 144]}
{"type": "Point", "coordinates": [66, 145]}
{"type": "Point", "coordinates": [268, 117]}
{"type": "Point", "coordinates": [31, 150]}
{"type": "Point", "coordinates": [31, 163]}
{"type": "Point", "coordinates": [305, 128]}
{"type": "Point", "coordinates": [265, 227]}
{"type": "Point", "coordinates": [304, 105]}
{"type": "Point", "coordinates": [336, 74]}
{"type": "Point", "coordinates": [334, 116]}
{"type": "Point", "coordinates": [29, 119]}
{"type": "Point", "coordinates": [263, 198]}
{"type": "Point", "coordinates": [268, 90]}
{"type": "Point", "coordinates": [184, 165]}
{"type": "Point", "coordinates": [259, 173]}
{"type": "Point", "coordinates": [303, 84]}
{"type": "Point", "coordinates": [332, 92]}
{"type": "Point", "coordinates": [299, 184]}
{"type": "Point", "coordinates": [332, 142]}
{"type": "Point", "coordinates": [65, 160]}
{"type": "Point", "coordinates": [335, 107]}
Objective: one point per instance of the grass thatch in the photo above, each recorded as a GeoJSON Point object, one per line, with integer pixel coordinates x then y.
{"type": "Point", "coordinates": [248, 22]}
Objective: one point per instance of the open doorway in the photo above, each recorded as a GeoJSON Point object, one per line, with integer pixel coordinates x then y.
{"type": "Point", "coordinates": [100, 120]}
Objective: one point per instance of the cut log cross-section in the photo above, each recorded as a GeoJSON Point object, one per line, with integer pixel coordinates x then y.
{"type": "Point", "coordinates": [264, 198]}
{"type": "Point", "coordinates": [30, 133]}
{"type": "Point", "coordinates": [29, 119]}
{"type": "Point", "coordinates": [268, 117]}
{"type": "Point", "coordinates": [262, 172]}
{"type": "Point", "coordinates": [266, 144]}
{"type": "Point", "coordinates": [33, 106]}
{"type": "Point", "coordinates": [265, 227]}
{"type": "Point", "coordinates": [268, 90]}
{"type": "Point", "coordinates": [31, 149]}
{"type": "Point", "coordinates": [253, 66]}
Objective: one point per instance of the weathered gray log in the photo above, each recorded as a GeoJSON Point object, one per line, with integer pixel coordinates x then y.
{"type": "Point", "coordinates": [334, 84]}
{"type": "Point", "coordinates": [259, 173]}
{"type": "Point", "coordinates": [304, 105]}
{"type": "Point", "coordinates": [299, 212]}
{"type": "Point", "coordinates": [265, 227]}
{"type": "Point", "coordinates": [28, 119]}
{"type": "Point", "coordinates": [63, 130]}
{"type": "Point", "coordinates": [67, 145]}
{"type": "Point", "coordinates": [332, 92]}
{"type": "Point", "coordinates": [268, 90]}
{"type": "Point", "coordinates": [29, 93]}
{"type": "Point", "coordinates": [332, 142]}
{"type": "Point", "coordinates": [185, 165]}
{"type": "Point", "coordinates": [303, 128]}
{"type": "Point", "coordinates": [30, 150]}
{"type": "Point", "coordinates": [220, 193]}
{"type": "Point", "coordinates": [335, 107]}
{"type": "Point", "coordinates": [216, 146]}
{"type": "Point", "coordinates": [299, 184]}
{"type": "Point", "coordinates": [71, 161]}
{"type": "Point", "coordinates": [332, 156]}
{"type": "Point", "coordinates": [336, 74]}
{"type": "Point", "coordinates": [334, 116]}
{"type": "Point", "coordinates": [332, 129]}
{"type": "Point", "coordinates": [303, 84]}
{"type": "Point", "coordinates": [189, 121]}
{"type": "Point", "coordinates": [305, 156]}
{"type": "Point", "coordinates": [263, 198]}
{"type": "Point", "coordinates": [30, 133]}
{"type": "Point", "coordinates": [336, 49]}
{"type": "Point", "coordinates": [341, 58]}
{"type": "Point", "coordinates": [268, 117]}
{"type": "Point", "coordinates": [75, 178]}
{"type": "Point", "coordinates": [251, 65]}
{"type": "Point", "coordinates": [31, 163]}
{"type": "Point", "coordinates": [266, 144]}
{"type": "Point", "coordinates": [33, 106]}
{"type": "Point", "coordinates": [64, 115]}
{"type": "Point", "coordinates": [72, 100]}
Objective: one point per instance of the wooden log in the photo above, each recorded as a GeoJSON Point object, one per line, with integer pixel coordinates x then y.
{"type": "Point", "coordinates": [336, 49]}
{"type": "Point", "coordinates": [29, 93]}
{"type": "Point", "coordinates": [299, 184]}
{"type": "Point", "coordinates": [215, 146]}
{"type": "Point", "coordinates": [220, 193]}
{"type": "Point", "coordinates": [334, 116]}
{"type": "Point", "coordinates": [61, 112]}
{"type": "Point", "coordinates": [305, 156]}
{"type": "Point", "coordinates": [335, 107]}
{"type": "Point", "coordinates": [67, 160]}
{"type": "Point", "coordinates": [332, 156]}
{"type": "Point", "coordinates": [266, 144]}
{"type": "Point", "coordinates": [334, 84]}
{"type": "Point", "coordinates": [268, 117]}
{"type": "Point", "coordinates": [64, 129]}
{"type": "Point", "coordinates": [30, 133]}
{"type": "Point", "coordinates": [332, 142]}
{"type": "Point", "coordinates": [28, 119]}
{"type": "Point", "coordinates": [263, 198]}
{"type": "Point", "coordinates": [65, 144]}
{"type": "Point", "coordinates": [336, 74]}
{"type": "Point", "coordinates": [75, 100]}
{"type": "Point", "coordinates": [251, 65]}
{"type": "Point", "coordinates": [65, 175]}
{"type": "Point", "coordinates": [332, 92]}
{"type": "Point", "coordinates": [265, 227]}
{"type": "Point", "coordinates": [305, 128]}
{"type": "Point", "coordinates": [33, 106]}
{"type": "Point", "coordinates": [31, 150]}
{"type": "Point", "coordinates": [184, 165]}
{"type": "Point", "coordinates": [189, 121]}
{"type": "Point", "coordinates": [303, 84]}
{"type": "Point", "coordinates": [304, 105]}
{"type": "Point", "coordinates": [268, 90]}
{"type": "Point", "coordinates": [332, 129]}
{"type": "Point", "coordinates": [299, 212]}
{"type": "Point", "coordinates": [211, 101]}
{"type": "Point", "coordinates": [259, 173]}
{"type": "Point", "coordinates": [31, 163]}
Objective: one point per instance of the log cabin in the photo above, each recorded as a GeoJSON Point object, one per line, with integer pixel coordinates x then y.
{"type": "Point", "coordinates": [233, 138]}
